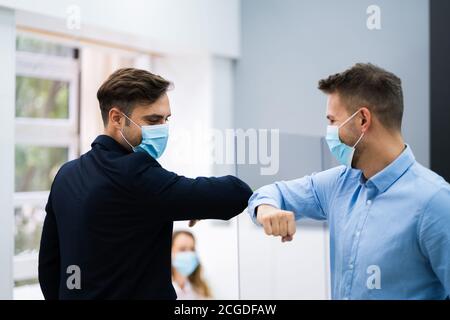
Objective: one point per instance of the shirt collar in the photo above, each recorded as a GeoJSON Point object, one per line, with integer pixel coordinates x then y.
{"type": "Point", "coordinates": [386, 177]}
{"type": "Point", "coordinates": [110, 144]}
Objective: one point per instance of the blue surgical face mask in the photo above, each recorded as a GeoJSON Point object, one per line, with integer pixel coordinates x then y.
{"type": "Point", "coordinates": [342, 152]}
{"type": "Point", "coordinates": [185, 262]}
{"type": "Point", "coordinates": [154, 139]}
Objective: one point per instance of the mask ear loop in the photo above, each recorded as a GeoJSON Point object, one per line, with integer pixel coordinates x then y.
{"type": "Point", "coordinates": [362, 135]}
{"type": "Point", "coordinates": [351, 117]}
{"type": "Point", "coordinates": [121, 133]}
{"type": "Point", "coordinates": [126, 139]}
{"type": "Point", "coordinates": [131, 120]}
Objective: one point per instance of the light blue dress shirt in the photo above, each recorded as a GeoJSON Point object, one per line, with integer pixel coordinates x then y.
{"type": "Point", "coordinates": [389, 235]}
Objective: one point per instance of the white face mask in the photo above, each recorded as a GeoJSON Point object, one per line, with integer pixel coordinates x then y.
{"type": "Point", "coordinates": [342, 152]}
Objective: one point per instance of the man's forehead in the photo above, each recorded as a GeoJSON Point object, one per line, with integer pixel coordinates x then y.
{"type": "Point", "coordinates": [334, 106]}
{"type": "Point", "coordinates": [152, 109]}
{"type": "Point", "coordinates": [331, 105]}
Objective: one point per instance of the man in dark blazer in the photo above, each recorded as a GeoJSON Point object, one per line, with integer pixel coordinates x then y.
{"type": "Point", "coordinates": [108, 229]}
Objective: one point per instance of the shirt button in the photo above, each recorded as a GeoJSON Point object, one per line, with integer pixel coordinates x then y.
{"type": "Point", "coordinates": [369, 202]}
{"type": "Point", "coordinates": [345, 298]}
{"type": "Point", "coordinates": [351, 266]}
{"type": "Point", "coordinates": [358, 233]}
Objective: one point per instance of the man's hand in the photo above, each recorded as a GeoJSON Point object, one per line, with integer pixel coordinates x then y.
{"type": "Point", "coordinates": [276, 222]}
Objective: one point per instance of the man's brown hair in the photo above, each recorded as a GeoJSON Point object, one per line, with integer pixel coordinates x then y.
{"type": "Point", "coordinates": [368, 85]}
{"type": "Point", "coordinates": [128, 87]}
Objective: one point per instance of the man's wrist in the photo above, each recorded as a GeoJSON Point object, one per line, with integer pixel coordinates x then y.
{"type": "Point", "coordinates": [263, 209]}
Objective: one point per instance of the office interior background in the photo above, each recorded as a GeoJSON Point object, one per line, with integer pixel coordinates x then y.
{"type": "Point", "coordinates": [235, 64]}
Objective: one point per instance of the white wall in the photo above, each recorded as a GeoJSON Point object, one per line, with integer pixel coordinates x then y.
{"type": "Point", "coordinates": [7, 113]}
{"type": "Point", "coordinates": [270, 269]}
{"type": "Point", "coordinates": [204, 25]}
{"type": "Point", "coordinates": [288, 46]}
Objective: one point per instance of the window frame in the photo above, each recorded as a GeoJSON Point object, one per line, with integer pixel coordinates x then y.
{"type": "Point", "coordinates": [45, 132]}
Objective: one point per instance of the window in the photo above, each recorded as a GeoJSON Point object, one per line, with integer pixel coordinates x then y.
{"type": "Point", "coordinates": [41, 98]}
{"type": "Point", "coordinates": [47, 135]}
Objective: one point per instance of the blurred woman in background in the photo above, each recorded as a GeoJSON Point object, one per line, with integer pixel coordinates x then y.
{"type": "Point", "coordinates": [186, 269]}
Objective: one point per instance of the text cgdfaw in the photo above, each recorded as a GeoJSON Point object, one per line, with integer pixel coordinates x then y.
{"type": "Point", "coordinates": [226, 309]}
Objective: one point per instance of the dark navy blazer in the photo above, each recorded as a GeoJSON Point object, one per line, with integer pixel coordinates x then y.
{"type": "Point", "coordinates": [110, 213]}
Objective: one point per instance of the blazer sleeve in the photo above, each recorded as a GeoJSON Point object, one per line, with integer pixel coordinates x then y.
{"type": "Point", "coordinates": [49, 256]}
{"type": "Point", "coordinates": [180, 198]}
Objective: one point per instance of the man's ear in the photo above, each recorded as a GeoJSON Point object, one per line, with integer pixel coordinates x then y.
{"type": "Point", "coordinates": [366, 119]}
{"type": "Point", "coordinates": [115, 118]}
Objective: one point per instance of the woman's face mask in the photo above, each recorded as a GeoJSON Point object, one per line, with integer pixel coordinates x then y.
{"type": "Point", "coordinates": [185, 262]}
{"type": "Point", "coordinates": [342, 152]}
{"type": "Point", "coordinates": [154, 139]}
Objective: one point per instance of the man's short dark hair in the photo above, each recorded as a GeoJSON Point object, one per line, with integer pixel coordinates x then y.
{"type": "Point", "coordinates": [368, 85]}
{"type": "Point", "coordinates": [128, 87]}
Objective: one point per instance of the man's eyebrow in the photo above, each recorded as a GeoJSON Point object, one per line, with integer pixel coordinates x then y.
{"type": "Point", "coordinates": [152, 116]}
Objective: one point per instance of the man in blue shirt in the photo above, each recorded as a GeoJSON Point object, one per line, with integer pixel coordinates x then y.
{"type": "Point", "coordinates": [389, 217]}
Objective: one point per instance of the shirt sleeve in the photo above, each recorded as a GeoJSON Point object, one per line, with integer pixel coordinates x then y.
{"type": "Point", "coordinates": [434, 236]}
{"type": "Point", "coordinates": [182, 198]}
{"type": "Point", "coordinates": [306, 197]}
{"type": "Point", "coordinates": [49, 256]}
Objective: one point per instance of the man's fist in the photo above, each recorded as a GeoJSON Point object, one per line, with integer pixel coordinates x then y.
{"type": "Point", "coordinates": [277, 222]}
